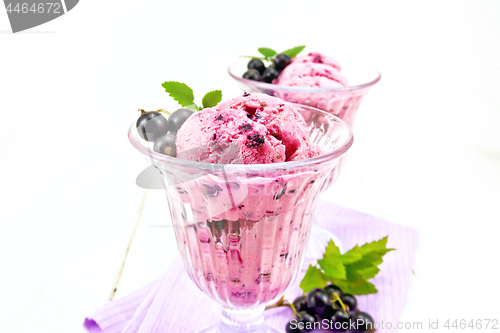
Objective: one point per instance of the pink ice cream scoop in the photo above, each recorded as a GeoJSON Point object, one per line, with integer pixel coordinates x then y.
{"type": "Point", "coordinates": [313, 70]}
{"type": "Point", "coordinates": [249, 129]}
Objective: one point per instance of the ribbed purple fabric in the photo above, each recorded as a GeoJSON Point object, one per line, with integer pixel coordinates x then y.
{"type": "Point", "coordinates": [173, 304]}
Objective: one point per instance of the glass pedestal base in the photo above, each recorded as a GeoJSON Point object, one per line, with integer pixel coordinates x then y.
{"type": "Point", "coordinates": [216, 329]}
{"type": "Point", "coordinates": [241, 321]}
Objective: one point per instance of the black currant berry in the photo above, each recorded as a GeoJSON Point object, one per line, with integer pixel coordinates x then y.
{"type": "Point", "coordinates": [252, 74]}
{"type": "Point", "coordinates": [151, 125]}
{"type": "Point", "coordinates": [178, 118]}
{"type": "Point", "coordinates": [318, 300]}
{"type": "Point", "coordinates": [300, 303]}
{"type": "Point", "coordinates": [166, 145]}
{"type": "Point", "coordinates": [257, 65]}
{"type": "Point", "coordinates": [281, 61]}
{"type": "Point", "coordinates": [292, 327]}
{"type": "Point", "coordinates": [305, 321]}
{"type": "Point", "coordinates": [340, 321]}
{"type": "Point", "coordinates": [333, 289]}
{"type": "Point", "coordinates": [329, 312]}
{"type": "Point", "coordinates": [270, 74]}
{"type": "Point", "coordinates": [348, 300]}
{"type": "Point", "coordinates": [362, 322]}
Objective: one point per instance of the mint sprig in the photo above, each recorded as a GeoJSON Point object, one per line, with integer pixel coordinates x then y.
{"type": "Point", "coordinates": [181, 93]}
{"type": "Point", "coordinates": [266, 52]}
{"type": "Point", "coordinates": [269, 53]}
{"type": "Point", "coordinates": [349, 271]}
{"type": "Point", "coordinates": [294, 51]}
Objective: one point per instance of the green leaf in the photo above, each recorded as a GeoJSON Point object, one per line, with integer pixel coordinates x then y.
{"type": "Point", "coordinates": [355, 286]}
{"type": "Point", "coordinates": [294, 51]}
{"type": "Point", "coordinates": [352, 255]}
{"type": "Point", "coordinates": [192, 107]}
{"type": "Point", "coordinates": [211, 98]}
{"type": "Point", "coordinates": [314, 278]}
{"type": "Point", "coordinates": [260, 58]}
{"type": "Point", "coordinates": [179, 92]}
{"type": "Point", "coordinates": [332, 262]}
{"type": "Point", "coordinates": [266, 52]}
{"type": "Point", "coordinates": [349, 271]}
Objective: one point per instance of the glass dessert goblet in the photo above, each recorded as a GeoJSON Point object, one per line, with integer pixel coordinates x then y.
{"type": "Point", "coordinates": [342, 102]}
{"type": "Point", "coordinates": [242, 229]}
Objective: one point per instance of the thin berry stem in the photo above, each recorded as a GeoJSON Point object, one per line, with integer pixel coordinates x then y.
{"type": "Point", "coordinates": [163, 111]}
{"type": "Point", "coordinates": [335, 297]}
{"type": "Point", "coordinates": [283, 302]}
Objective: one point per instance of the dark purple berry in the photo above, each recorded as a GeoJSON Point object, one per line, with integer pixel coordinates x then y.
{"type": "Point", "coordinates": [255, 140]}
{"type": "Point", "coordinates": [362, 322]}
{"type": "Point", "coordinates": [317, 300]}
{"type": "Point", "coordinates": [340, 321]}
{"type": "Point", "coordinates": [152, 125]}
{"type": "Point", "coordinates": [252, 74]}
{"type": "Point", "coordinates": [166, 145]}
{"type": "Point", "coordinates": [349, 301]}
{"type": "Point", "coordinates": [270, 74]}
{"type": "Point", "coordinates": [281, 61]}
{"type": "Point", "coordinates": [305, 321]}
{"type": "Point", "coordinates": [333, 289]}
{"type": "Point", "coordinates": [177, 118]}
{"type": "Point", "coordinates": [257, 64]}
{"type": "Point", "coordinates": [300, 303]}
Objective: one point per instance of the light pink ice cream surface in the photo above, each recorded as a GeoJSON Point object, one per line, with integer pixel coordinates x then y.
{"type": "Point", "coordinates": [248, 129]}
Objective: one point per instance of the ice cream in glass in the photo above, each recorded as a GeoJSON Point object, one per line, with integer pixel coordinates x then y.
{"type": "Point", "coordinates": [241, 193]}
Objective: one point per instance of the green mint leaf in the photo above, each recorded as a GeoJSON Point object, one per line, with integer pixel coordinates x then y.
{"type": "Point", "coordinates": [211, 98]}
{"type": "Point", "coordinates": [331, 263]}
{"type": "Point", "coordinates": [294, 51]}
{"type": "Point", "coordinates": [266, 52]}
{"type": "Point", "coordinates": [260, 58]}
{"type": "Point", "coordinates": [179, 92]}
{"type": "Point", "coordinates": [193, 107]}
{"type": "Point", "coordinates": [314, 278]}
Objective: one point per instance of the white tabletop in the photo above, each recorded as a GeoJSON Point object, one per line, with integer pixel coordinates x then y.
{"type": "Point", "coordinates": [74, 226]}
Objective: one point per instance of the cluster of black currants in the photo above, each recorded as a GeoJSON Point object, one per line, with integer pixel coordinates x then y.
{"type": "Point", "coordinates": [331, 307]}
{"type": "Point", "coordinates": [257, 71]}
{"type": "Point", "coordinates": [154, 127]}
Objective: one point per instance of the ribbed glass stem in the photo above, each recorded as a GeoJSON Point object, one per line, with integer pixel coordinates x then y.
{"type": "Point", "coordinates": [236, 321]}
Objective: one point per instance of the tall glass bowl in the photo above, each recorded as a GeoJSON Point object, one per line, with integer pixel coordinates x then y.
{"type": "Point", "coordinates": [342, 102]}
{"type": "Point", "coordinates": [242, 229]}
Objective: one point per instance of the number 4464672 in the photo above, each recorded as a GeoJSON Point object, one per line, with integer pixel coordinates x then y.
{"type": "Point", "coordinates": [48, 7]}
{"type": "Point", "coordinates": [477, 324]}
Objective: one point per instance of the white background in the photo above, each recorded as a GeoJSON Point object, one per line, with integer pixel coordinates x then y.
{"type": "Point", "coordinates": [426, 152]}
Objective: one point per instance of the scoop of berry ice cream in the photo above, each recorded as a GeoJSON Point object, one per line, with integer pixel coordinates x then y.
{"type": "Point", "coordinates": [313, 70]}
{"type": "Point", "coordinates": [248, 129]}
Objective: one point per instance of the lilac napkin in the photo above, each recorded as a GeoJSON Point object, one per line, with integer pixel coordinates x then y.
{"type": "Point", "coordinates": [174, 304]}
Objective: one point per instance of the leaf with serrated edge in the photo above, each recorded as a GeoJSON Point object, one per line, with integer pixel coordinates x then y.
{"type": "Point", "coordinates": [180, 92]}
{"type": "Point", "coordinates": [357, 287]}
{"type": "Point", "coordinates": [352, 255]}
{"type": "Point", "coordinates": [294, 51]}
{"type": "Point", "coordinates": [211, 98]}
{"type": "Point", "coordinates": [314, 278]}
{"type": "Point", "coordinates": [266, 52]}
{"type": "Point", "coordinates": [331, 262]}
{"type": "Point", "coordinates": [369, 273]}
